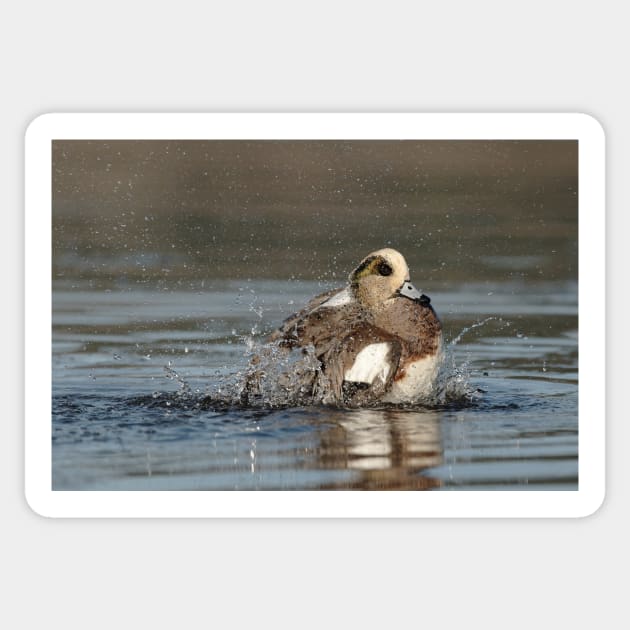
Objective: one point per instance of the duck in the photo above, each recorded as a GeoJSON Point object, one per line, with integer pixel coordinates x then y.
{"type": "Point", "coordinates": [377, 339]}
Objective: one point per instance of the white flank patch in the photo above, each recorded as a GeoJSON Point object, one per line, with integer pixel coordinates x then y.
{"type": "Point", "coordinates": [341, 298]}
{"type": "Point", "coordinates": [417, 383]}
{"type": "Point", "coordinates": [369, 364]}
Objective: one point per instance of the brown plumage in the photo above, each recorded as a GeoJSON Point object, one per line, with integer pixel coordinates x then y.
{"type": "Point", "coordinates": [371, 337]}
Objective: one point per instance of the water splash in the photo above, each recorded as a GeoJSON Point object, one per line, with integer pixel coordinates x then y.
{"type": "Point", "coordinates": [184, 387]}
{"type": "Point", "coordinates": [454, 383]}
{"type": "Point", "coordinates": [276, 377]}
{"type": "Point", "coordinates": [467, 329]}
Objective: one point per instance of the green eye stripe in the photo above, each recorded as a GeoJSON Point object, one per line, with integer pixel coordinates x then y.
{"type": "Point", "coordinates": [374, 265]}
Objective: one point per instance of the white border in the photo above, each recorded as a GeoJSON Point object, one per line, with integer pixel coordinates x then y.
{"type": "Point", "coordinates": [38, 393]}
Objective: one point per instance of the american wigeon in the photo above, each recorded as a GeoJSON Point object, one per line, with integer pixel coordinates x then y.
{"type": "Point", "coordinates": [377, 340]}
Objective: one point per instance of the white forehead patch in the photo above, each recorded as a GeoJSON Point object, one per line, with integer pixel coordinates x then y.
{"type": "Point", "coordinates": [396, 259]}
{"type": "Point", "coordinates": [369, 364]}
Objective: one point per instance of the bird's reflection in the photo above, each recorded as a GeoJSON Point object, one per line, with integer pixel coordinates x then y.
{"type": "Point", "coordinates": [388, 448]}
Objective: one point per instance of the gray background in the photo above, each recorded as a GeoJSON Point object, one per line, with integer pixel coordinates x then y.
{"type": "Point", "coordinates": [273, 56]}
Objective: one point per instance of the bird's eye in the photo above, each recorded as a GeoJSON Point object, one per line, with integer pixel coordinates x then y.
{"type": "Point", "coordinates": [384, 269]}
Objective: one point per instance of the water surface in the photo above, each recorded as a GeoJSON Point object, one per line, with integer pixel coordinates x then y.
{"type": "Point", "coordinates": [141, 380]}
{"type": "Point", "coordinates": [171, 259]}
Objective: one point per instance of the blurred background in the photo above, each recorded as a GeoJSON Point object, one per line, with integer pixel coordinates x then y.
{"type": "Point", "coordinates": [166, 213]}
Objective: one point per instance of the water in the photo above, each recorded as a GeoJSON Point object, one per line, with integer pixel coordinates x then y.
{"type": "Point", "coordinates": [171, 259]}
{"type": "Point", "coordinates": [145, 395]}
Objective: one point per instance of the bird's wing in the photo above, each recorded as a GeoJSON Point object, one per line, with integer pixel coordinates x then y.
{"type": "Point", "coordinates": [359, 367]}
{"type": "Point", "coordinates": [358, 359]}
{"type": "Point", "coordinates": [291, 330]}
